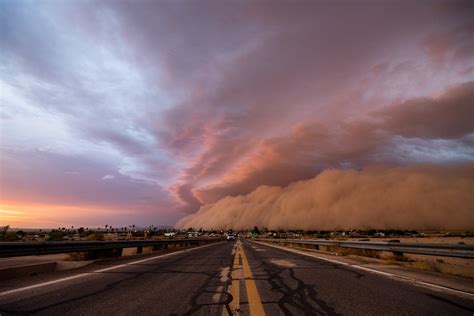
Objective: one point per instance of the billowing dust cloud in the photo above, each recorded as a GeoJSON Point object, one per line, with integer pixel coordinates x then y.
{"type": "Point", "coordinates": [413, 197]}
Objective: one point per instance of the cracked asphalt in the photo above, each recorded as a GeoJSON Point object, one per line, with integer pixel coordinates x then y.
{"type": "Point", "coordinates": [197, 282]}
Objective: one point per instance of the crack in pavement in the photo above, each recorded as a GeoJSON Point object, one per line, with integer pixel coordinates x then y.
{"type": "Point", "coordinates": [302, 297]}
{"type": "Point", "coordinates": [161, 269]}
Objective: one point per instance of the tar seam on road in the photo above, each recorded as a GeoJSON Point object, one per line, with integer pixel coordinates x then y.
{"type": "Point", "coordinates": [234, 287]}
{"type": "Point", "coordinates": [98, 271]}
{"type": "Point", "coordinates": [390, 275]}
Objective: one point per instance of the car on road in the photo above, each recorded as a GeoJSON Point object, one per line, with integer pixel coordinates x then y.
{"type": "Point", "coordinates": [230, 237]}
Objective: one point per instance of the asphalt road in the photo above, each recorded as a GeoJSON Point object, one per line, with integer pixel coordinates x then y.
{"type": "Point", "coordinates": [229, 277]}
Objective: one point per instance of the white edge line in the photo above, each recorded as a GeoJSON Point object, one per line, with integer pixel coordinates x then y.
{"type": "Point", "coordinates": [387, 274]}
{"type": "Point", "coordinates": [99, 271]}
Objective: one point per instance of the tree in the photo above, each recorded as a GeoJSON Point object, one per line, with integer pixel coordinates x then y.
{"type": "Point", "coordinates": [256, 230]}
{"type": "Point", "coordinates": [4, 231]}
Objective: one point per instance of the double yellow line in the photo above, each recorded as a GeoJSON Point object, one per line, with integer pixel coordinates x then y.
{"type": "Point", "coordinates": [241, 271]}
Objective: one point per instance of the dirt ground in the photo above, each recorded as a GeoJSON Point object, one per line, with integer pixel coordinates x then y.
{"type": "Point", "coordinates": [448, 265]}
{"type": "Point", "coordinates": [434, 240]}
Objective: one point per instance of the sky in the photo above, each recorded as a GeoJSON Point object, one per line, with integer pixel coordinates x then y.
{"type": "Point", "coordinates": [208, 113]}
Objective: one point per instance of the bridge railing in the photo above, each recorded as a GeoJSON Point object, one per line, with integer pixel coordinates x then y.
{"type": "Point", "coordinates": [398, 248]}
{"type": "Point", "coordinates": [94, 249]}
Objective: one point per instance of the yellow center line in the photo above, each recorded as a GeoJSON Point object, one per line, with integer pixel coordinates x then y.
{"type": "Point", "coordinates": [240, 271]}
{"type": "Point", "coordinates": [255, 303]}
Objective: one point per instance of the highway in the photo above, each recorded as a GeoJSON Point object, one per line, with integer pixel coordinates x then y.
{"type": "Point", "coordinates": [224, 278]}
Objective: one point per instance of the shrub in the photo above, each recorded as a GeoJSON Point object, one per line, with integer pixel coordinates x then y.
{"type": "Point", "coordinates": [55, 235]}
{"type": "Point", "coordinates": [95, 236]}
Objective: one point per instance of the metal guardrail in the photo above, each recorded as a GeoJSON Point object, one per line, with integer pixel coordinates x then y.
{"type": "Point", "coordinates": [13, 249]}
{"type": "Point", "coordinates": [430, 249]}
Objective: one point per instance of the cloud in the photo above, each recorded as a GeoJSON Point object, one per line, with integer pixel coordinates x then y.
{"type": "Point", "coordinates": [378, 137]}
{"type": "Point", "coordinates": [43, 177]}
{"type": "Point", "coordinates": [449, 116]}
{"type": "Point", "coordinates": [412, 197]}
{"type": "Point", "coordinates": [199, 101]}
{"type": "Point", "coordinates": [454, 44]}
{"type": "Point", "coordinates": [71, 172]}
{"type": "Point", "coordinates": [291, 100]}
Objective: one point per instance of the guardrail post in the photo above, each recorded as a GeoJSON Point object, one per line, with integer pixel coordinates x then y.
{"type": "Point", "coordinates": [139, 250]}
{"type": "Point", "coordinates": [156, 247]}
{"type": "Point", "coordinates": [398, 255]}
{"type": "Point", "coordinates": [103, 253]}
{"type": "Point", "coordinates": [89, 255]}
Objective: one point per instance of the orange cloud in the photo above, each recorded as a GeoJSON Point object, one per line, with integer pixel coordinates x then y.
{"type": "Point", "coordinates": [314, 146]}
